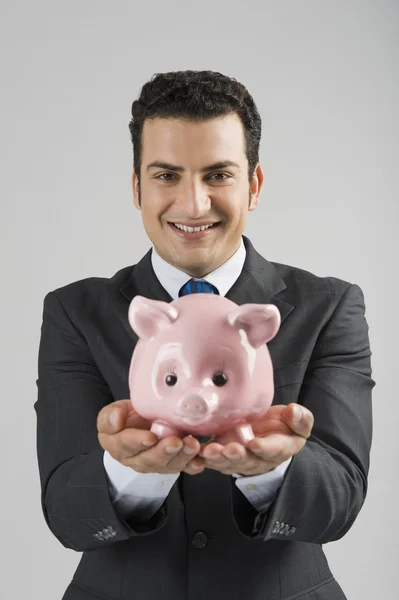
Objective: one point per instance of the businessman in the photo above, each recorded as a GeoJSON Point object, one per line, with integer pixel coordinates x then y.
{"type": "Point", "coordinates": [188, 519]}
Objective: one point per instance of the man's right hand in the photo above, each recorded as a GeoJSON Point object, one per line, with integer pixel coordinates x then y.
{"type": "Point", "coordinates": [129, 440]}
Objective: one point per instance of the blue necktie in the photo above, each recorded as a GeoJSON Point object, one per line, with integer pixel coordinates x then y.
{"type": "Point", "coordinates": [198, 286]}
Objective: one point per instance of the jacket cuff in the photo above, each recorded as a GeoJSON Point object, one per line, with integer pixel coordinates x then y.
{"type": "Point", "coordinates": [78, 509]}
{"type": "Point", "coordinates": [257, 524]}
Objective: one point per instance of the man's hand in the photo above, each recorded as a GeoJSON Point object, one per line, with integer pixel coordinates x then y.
{"type": "Point", "coordinates": [282, 433]}
{"type": "Point", "coordinates": [129, 440]}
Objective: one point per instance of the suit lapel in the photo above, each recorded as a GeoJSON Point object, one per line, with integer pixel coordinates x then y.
{"type": "Point", "coordinates": [258, 283]}
{"type": "Point", "coordinates": [142, 282]}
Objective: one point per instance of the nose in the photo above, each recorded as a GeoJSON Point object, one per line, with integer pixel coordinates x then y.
{"type": "Point", "coordinates": [195, 201]}
{"type": "Point", "coordinates": [193, 406]}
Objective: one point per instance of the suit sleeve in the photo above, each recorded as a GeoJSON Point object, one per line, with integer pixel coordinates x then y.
{"type": "Point", "coordinates": [325, 485]}
{"type": "Point", "coordinates": [75, 493]}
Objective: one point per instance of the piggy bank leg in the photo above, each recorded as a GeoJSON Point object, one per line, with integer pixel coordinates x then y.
{"type": "Point", "coordinates": [241, 433]}
{"type": "Point", "coordinates": [163, 429]}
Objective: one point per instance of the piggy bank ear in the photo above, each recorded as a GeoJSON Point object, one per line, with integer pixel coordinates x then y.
{"type": "Point", "coordinates": [260, 322]}
{"type": "Point", "coordinates": [147, 317]}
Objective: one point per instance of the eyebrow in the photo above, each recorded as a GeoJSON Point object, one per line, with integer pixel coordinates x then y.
{"type": "Point", "coordinates": [218, 165]}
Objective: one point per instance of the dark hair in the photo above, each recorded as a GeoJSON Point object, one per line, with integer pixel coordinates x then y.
{"type": "Point", "coordinates": [198, 96]}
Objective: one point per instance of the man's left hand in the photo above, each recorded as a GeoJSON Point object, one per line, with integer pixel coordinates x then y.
{"type": "Point", "coordinates": [279, 435]}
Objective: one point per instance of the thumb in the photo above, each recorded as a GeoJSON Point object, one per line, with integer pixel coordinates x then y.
{"type": "Point", "coordinates": [299, 419]}
{"type": "Point", "coordinates": [112, 418]}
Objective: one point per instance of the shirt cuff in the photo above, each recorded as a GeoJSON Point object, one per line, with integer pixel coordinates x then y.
{"type": "Point", "coordinates": [125, 481]}
{"type": "Point", "coordinates": [260, 490]}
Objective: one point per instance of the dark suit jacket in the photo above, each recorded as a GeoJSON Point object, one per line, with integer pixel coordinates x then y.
{"type": "Point", "coordinates": [206, 542]}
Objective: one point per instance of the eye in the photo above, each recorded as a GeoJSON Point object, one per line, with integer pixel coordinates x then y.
{"type": "Point", "coordinates": [163, 178]}
{"type": "Point", "coordinates": [219, 379]}
{"type": "Point", "coordinates": [224, 176]}
{"type": "Point", "coordinates": [170, 379]}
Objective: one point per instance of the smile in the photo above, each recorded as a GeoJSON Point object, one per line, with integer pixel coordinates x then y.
{"type": "Point", "coordinates": [192, 229]}
{"type": "Point", "coordinates": [194, 233]}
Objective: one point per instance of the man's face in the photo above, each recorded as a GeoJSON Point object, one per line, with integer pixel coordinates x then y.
{"type": "Point", "coordinates": [188, 189]}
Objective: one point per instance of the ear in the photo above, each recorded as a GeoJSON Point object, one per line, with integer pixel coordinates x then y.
{"type": "Point", "coordinates": [147, 317]}
{"type": "Point", "coordinates": [255, 187]}
{"type": "Point", "coordinates": [135, 188]}
{"type": "Point", "coordinates": [260, 322]}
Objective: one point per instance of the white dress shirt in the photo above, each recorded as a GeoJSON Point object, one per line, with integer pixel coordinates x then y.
{"type": "Point", "coordinates": [142, 494]}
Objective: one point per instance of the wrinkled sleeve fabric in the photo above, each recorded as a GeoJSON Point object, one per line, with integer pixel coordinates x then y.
{"type": "Point", "coordinates": [75, 492]}
{"type": "Point", "coordinates": [325, 485]}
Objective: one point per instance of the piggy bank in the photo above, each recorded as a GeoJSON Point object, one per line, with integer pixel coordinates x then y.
{"type": "Point", "coordinates": [201, 365]}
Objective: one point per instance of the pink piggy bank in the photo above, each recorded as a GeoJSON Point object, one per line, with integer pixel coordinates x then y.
{"type": "Point", "coordinates": [201, 365]}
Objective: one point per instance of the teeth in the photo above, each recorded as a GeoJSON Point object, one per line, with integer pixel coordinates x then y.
{"type": "Point", "coordinates": [191, 229]}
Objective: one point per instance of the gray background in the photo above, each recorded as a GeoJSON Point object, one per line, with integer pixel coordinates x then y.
{"type": "Point", "coordinates": [325, 78]}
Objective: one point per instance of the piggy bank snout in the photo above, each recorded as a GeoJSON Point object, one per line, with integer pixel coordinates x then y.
{"type": "Point", "coordinates": [193, 405]}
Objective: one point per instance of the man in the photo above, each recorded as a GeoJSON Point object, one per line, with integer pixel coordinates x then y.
{"type": "Point", "coordinates": [185, 519]}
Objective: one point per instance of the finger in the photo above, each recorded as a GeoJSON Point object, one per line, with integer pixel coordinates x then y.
{"type": "Point", "coordinates": [299, 419]}
{"type": "Point", "coordinates": [230, 451]}
{"type": "Point", "coordinates": [270, 421]}
{"type": "Point", "coordinates": [120, 415]}
{"type": "Point", "coordinates": [127, 443]}
{"type": "Point", "coordinates": [112, 417]}
{"type": "Point", "coordinates": [231, 458]}
{"type": "Point", "coordinates": [276, 448]}
{"type": "Point", "coordinates": [132, 441]}
{"type": "Point", "coordinates": [194, 467]}
{"type": "Point", "coordinates": [191, 462]}
{"type": "Point", "coordinates": [212, 449]}
{"type": "Point", "coordinates": [156, 459]}
{"type": "Point", "coordinates": [189, 450]}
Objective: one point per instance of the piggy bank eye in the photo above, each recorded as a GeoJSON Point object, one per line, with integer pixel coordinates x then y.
{"type": "Point", "coordinates": [170, 379]}
{"type": "Point", "coordinates": [219, 379]}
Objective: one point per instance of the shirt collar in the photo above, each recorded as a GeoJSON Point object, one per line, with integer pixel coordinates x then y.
{"type": "Point", "coordinates": [172, 279]}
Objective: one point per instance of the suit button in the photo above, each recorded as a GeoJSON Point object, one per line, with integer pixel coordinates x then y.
{"type": "Point", "coordinates": [200, 540]}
